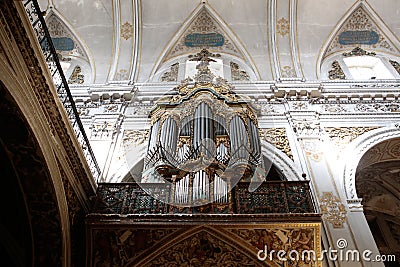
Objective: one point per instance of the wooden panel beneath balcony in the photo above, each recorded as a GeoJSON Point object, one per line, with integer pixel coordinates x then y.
{"type": "Point", "coordinates": [129, 242]}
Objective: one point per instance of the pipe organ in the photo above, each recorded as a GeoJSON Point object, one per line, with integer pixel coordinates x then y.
{"type": "Point", "coordinates": [204, 139]}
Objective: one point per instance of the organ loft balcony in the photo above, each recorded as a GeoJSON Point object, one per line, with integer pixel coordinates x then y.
{"type": "Point", "coordinates": [273, 199]}
{"type": "Point", "coordinates": [205, 192]}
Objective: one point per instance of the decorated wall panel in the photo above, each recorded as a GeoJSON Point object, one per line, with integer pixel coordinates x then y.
{"type": "Point", "coordinates": [203, 245]}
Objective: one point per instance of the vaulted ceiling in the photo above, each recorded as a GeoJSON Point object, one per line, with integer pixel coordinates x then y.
{"type": "Point", "coordinates": [134, 40]}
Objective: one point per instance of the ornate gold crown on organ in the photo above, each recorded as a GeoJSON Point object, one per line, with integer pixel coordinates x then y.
{"type": "Point", "coordinates": [204, 137]}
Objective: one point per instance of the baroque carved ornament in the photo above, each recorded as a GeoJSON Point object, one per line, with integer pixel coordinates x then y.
{"type": "Point", "coordinates": [282, 27]}
{"type": "Point", "coordinates": [76, 77]}
{"type": "Point", "coordinates": [172, 74]}
{"type": "Point", "coordinates": [336, 73]}
{"type": "Point", "coordinates": [58, 29]}
{"type": "Point", "coordinates": [238, 74]}
{"type": "Point", "coordinates": [278, 138]}
{"type": "Point", "coordinates": [134, 138]}
{"type": "Point", "coordinates": [203, 23]}
{"type": "Point", "coordinates": [333, 209]}
{"type": "Point", "coordinates": [395, 65]}
{"type": "Point", "coordinates": [126, 30]}
{"type": "Point", "coordinates": [359, 28]}
{"type": "Point", "coordinates": [341, 136]}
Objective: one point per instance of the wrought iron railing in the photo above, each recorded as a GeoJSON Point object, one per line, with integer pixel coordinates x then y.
{"type": "Point", "coordinates": [282, 197]}
{"type": "Point", "coordinates": [50, 54]}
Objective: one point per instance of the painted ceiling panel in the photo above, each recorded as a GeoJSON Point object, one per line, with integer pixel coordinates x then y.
{"type": "Point", "coordinates": [93, 22]}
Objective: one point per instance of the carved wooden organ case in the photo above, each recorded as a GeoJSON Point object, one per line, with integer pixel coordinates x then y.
{"type": "Point", "coordinates": [204, 139]}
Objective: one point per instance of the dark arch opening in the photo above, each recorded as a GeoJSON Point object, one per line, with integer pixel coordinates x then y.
{"type": "Point", "coordinates": [378, 184]}
{"type": "Point", "coordinates": [30, 217]}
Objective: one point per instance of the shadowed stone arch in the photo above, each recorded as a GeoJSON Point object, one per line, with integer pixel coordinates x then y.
{"type": "Point", "coordinates": [22, 149]}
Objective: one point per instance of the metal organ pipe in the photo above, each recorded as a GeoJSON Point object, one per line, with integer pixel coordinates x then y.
{"type": "Point", "coordinates": [239, 140]}
{"type": "Point", "coordinates": [169, 136]}
{"type": "Point", "coordinates": [185, 126]}
{"type": "Point", "coordinates": [220, 130]}
{"type": "Point", "coordinates": [220, 125]}
{"type": "Point", "coordinates": [153, 136]}
{"type": "Point", "coordinates": [182, 190]}
{"type": "Point", "coordinates": [233, 136]}
{"type": "Point", "coordinates": [203, 124]}
{"type": "Point", "coordinates": [254, 138]}
{"type": "Point", "coordinates": [200, 186]}
{"type": "Point", "coordinates": [220, 190]}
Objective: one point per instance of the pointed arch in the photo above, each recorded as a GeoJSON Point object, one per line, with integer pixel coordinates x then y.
{"type": "Point", "coordinates": [357, 149]}
{"type": "Point", "coordinates": [79, 56]}
{"type": "Point", "coordinates": [384, 40]}
{"type": "Point", "coordinates": [282, 162]}
{"type": "Point", "coordinates": [201, 21]}
{"type": "Point", "coordinates": [220, 240]}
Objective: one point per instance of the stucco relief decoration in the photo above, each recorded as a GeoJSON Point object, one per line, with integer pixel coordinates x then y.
{"type": "Point", "coordinates": [333, 108]}
{"type": "Point", "coordinates": [357, 52]}
{"type": "Point", "coordinates": [385, 151]}
{"type": "Point", "coordinates": [103, 130]}
{"type": "Point", "coordinates": [305, 127]}
{"type": "Point", "coordinates": [378, 107]}
{"type": "Point", "coordinates": [172, 74]}
{"type": "Point", "coordinates": [282, 27]}
{"type": "Point", "coordinates": [333, 210]}
{"type": "Point", "coordinates": [203, 24]}
{"type": "Point", "coordinates": [374, 155]}
{"type": "Point", "coordinates": [138, 110]}
{"type": "Point", "coordinates": [74, 207]}
{"type": "Point", "coordinates": [134, 138]}
{"type": "Point", "coordinates": [278, 138]}
{"type": "Point", "coordinates": [394, 151]}
{"type": "Point", "coordinates": [267, 109]}
{"type": "Point", "coordinates": [237, 74]}
{"type": "Point", "coordinates": [395, 65]}
{"type": "Point", "coordinates": [368, 188]}
{"type": "Point", "coordinates": [111, 108]}
{"type": "Point", "coordinates": [83, 111]}
{"type": "Point", "coordinates": [336, 73]}
{"type": "Point", "coordinates": [341, 136]}
{"type": "Point", "coordinates": [313, 150]}
{"type": "Point", "coordinates": [362, 29]}
{"type": "Point", "coordinates": [76, 76]}
{"type": "Point", "coordinates": [122, 75]}
{"type": "Point", "coordinates": [127, 30]}
{"type": "Point", "coordinates": [288, 72]}
{"type": "Point", "coordinates": [365, 108]}
{"type": "Point", "coordinates": [389, 107]}
{"type": "Point", "coordinates": [299, 105]}
{"type": "Point", "coordinates": [58, 29]}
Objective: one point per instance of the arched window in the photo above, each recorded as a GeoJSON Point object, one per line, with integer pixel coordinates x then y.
{"type": "Point", "coordinates": [359, 64]}
{"type": "Point", "coordinates": [367, 67]}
